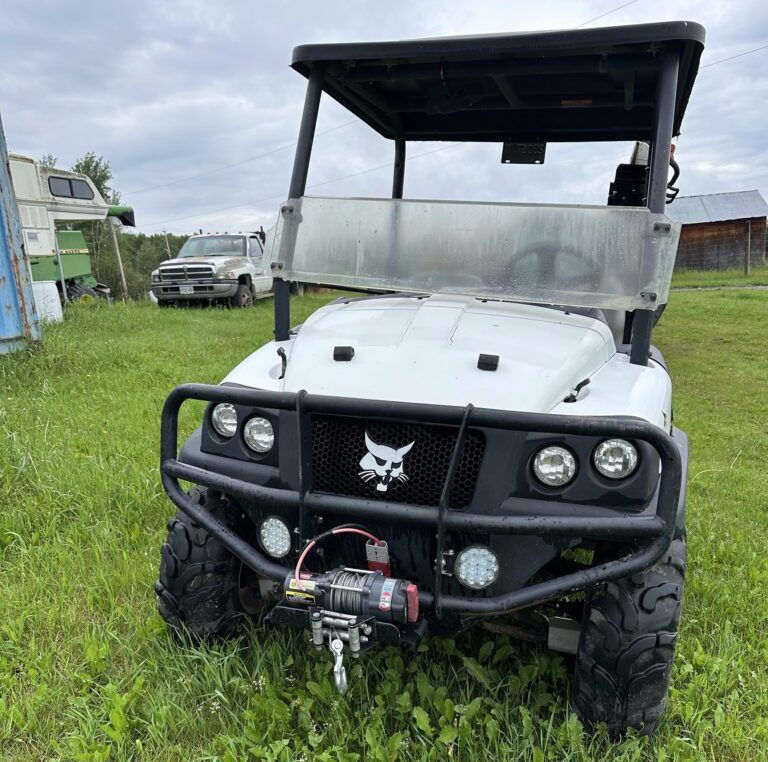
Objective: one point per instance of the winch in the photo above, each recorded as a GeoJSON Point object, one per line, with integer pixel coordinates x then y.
{"type": "Point", "coordinates": [358, 592]}
{"type": "Point", "coordinates": [348, 607]}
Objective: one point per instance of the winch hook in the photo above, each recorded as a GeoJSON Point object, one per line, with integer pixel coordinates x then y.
{"type": "Point", "coordinates": [339, 671]}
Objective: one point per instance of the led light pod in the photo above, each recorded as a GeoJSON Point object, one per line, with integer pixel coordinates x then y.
{"type": "Point", "coordinates": [275, 537]}
{"type": "Point", "coordinates": [476, 567]}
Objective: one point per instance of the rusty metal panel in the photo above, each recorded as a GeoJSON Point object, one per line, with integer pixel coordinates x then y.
{"type": "Point", "coordinates": [18, 318]}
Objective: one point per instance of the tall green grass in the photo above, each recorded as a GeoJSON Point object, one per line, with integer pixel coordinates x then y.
{"type": "Point", "coordinates": [718, 278]}
{"type": "Point", "coordinates": [87, 671]}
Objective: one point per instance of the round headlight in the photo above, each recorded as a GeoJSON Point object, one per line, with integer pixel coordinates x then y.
{"type": "Point", "coordinates": [615, 458]}
{"type": "Point", "coordinates": [259, 435]}
{"type": "Point", "coordinates": [554, 466]}
{"type": "Point", "coordinates": [275, 537]}
{"type": "Point", "coordinates": [224, 419]}
{"type": "Point", "coordinates": [476, 567]}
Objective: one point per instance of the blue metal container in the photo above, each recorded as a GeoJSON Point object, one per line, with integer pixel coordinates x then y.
{"type": "Point", "coordinates": [18, 318]}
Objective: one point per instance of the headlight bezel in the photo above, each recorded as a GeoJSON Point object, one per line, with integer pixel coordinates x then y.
{"type": "Point", "coordinates": [235, 447]}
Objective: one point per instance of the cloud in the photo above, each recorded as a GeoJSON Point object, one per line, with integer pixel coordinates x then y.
{"type": "Point", "coordinates": [169, 90]}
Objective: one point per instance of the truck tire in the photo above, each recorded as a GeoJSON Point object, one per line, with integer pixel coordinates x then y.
{"type": "Point", "coordinates": [198, 585]}
{"type": "Point", "coordinates": [627, 645]}
{"type": "Point", "coordinates": [79, 292]}
{"type": "Point", "coordinates": [243, 297]}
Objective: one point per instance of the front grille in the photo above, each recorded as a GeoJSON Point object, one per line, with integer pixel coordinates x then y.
{"type": "Point", "coordinates": [186, 272]}
{"type": "Point", "coordinates": [338, 445]}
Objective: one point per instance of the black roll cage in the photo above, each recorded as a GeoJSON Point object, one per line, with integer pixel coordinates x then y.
{"type": "Point", "coordinates": [662, 48]}
{"type": "Point", "coordinates": [655, 532]}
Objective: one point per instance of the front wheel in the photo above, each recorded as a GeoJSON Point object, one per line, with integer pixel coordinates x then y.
{"type": "Point", "coordinates": [627, 645]}
{"type": "Point", "coordinates": [243, 297]}
{"type": "Point", "coordinates": [198, 586]}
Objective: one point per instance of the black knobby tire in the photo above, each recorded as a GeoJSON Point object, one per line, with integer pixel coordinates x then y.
{"type": "Point", "coordinates": [79, 292]}
{"type": "Point", "coordinates": [627, 645]}
{"type": "Point", "coordinates": [198, 588]}
{"type": "Point", "coordinates": [243, 297]}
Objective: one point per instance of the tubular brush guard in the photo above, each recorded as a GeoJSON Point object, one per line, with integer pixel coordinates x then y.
{"type": "Point", "coordinates": [655, 531]}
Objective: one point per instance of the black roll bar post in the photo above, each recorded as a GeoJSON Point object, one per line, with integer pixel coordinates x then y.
{"type": "Point", "coordinates": [281, 287]}
{"type": "Point", "coordinates": [666, 93]}
{"type": "Point", "coordinates": [398, 175]}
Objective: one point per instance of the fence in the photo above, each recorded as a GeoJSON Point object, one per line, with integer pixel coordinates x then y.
{"type": "Point", "coordinates": [735, 244]}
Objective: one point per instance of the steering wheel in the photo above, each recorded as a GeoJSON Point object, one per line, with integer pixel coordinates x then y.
{"type": "Point", "coordinates": [547, 263]}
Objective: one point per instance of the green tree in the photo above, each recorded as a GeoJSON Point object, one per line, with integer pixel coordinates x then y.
{"type": "Point", "coordinates": [98, 234]}
{"type": "Point", "coordinates": [48, 160]}
{"type": "Point", "coordinates": [100, 171]}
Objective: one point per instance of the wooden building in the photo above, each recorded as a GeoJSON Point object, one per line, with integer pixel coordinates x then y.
{"type": "Point", "coordinates": [721, 231]}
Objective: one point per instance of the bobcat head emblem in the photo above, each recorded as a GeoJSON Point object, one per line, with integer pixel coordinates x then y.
{"type": "Point", "coordinates": [384, 464]}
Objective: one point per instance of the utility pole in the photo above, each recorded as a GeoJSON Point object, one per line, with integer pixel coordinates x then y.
{"type": "Point", "coordinates": [167, 247]}
{"type": "Point", "coordinates": [113, 226]}
{"type": "Point", "coordinates": [748, 257]}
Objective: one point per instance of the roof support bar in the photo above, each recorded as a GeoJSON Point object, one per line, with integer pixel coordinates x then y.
{"type": "Point", "coordinates": [642, 325]}
{"type": "Point", "coordinates": [536, 66]}
{"type": "Point", "coordinates": [282, 288]}
{"type": "Point", "coordinates": [398, 177]}
{"type": "Point", "coordinates": [506, 89]}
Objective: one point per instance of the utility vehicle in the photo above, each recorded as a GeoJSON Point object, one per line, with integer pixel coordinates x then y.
{"type": "Point", "coordinates": [485, 437]}
{"type": "Point", "coordinates": [49, 195]}
{"type": "Point", "coordinates": [217, 268]}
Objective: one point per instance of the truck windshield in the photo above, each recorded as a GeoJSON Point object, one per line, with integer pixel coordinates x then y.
{"type": "Point", "coordinates": [214, 246]}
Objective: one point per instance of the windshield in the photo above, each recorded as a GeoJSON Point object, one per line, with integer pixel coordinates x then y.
{"type": "Point", "coordinates": [214, 246]}
{"type": "Point", "coordinates": [583, 256]}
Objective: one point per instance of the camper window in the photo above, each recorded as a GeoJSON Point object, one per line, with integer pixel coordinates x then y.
{"type": "Point", "coordinates": [63, 187]}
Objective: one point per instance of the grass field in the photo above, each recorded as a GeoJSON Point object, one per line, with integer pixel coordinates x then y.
{"type": "Point", "coordinates": [716, 278]}
{"type": "Point", "coordinates": [87, 671]}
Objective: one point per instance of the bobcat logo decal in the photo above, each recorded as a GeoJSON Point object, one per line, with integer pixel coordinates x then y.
{"type": "Point", "coordinates": [384, 464]}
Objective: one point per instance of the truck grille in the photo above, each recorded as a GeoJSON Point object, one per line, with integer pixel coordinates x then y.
{"type": "Point", "coordinates": [338, 445]}
{"type": "Point", "coordinates": [186, 272]}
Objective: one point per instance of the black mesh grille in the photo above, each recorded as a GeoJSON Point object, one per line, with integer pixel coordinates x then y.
{"type": "Point", "coordinates": [338, 445]}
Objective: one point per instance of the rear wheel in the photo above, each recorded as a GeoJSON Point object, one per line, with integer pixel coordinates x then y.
{"type": "Point", "coordinates": [627, 645]}
{"type": "Point", "coordinates": [243, 297]}
{"type": "Point", "coordinates": [198, 585]}
{"type": "Point", "coordinates": [79, 292]}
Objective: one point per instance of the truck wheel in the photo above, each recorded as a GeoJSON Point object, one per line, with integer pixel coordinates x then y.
{"type": "Point", "coordinates": [199, 578]}
{"type": "Point", "coordinates": [79, 292]}
{"type": "Point", "coordinates": [627, 645]}
{"type": "Point", "coordinates": [243, 297]}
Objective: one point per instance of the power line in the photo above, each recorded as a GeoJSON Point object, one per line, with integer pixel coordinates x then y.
{"type": "Point", "coordinates": [291, 145]}
{"type": "Point", "coordinates": [607, 13]}
{"type": "Point", "coordinates": [229, 166]}
{"type": "Point", "coordinates": [282, 196]}
{"type": "Point", "coordinates": [371, 169]}
{"type": "Point", "coordinates": [730, 58]}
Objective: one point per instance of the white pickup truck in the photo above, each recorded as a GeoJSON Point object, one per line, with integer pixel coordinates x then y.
{"type": "Point", "coordinates": [224, 268]}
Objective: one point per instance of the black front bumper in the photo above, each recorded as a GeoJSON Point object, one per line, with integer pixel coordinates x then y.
{"type": "Point", "coordinates": [649, 534]}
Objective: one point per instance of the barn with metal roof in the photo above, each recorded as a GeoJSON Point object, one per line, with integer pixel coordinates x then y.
{"type": "Point", "coordinates": [721, 231]}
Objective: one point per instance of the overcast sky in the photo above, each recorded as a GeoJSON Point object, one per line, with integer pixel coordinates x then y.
{"type": "Point", "coordinates": [165, 90]}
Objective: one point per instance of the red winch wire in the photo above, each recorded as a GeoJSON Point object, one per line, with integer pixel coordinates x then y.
{"type": "Point", "coordinates": [311, 544]}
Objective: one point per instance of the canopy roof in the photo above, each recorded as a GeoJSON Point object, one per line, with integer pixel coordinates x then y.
{"type": "Point", "coordinates": [572, 85]}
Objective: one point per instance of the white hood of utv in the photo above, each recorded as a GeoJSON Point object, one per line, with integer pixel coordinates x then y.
{"type": "Point", "coordinates": [427, 350]}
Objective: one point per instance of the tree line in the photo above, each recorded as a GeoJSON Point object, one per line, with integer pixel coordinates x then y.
{"type": "Point", "coordinates": [140, 253]}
